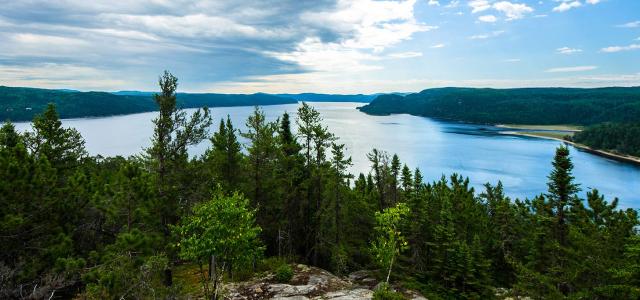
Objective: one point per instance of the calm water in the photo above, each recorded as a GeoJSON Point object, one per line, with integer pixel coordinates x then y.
{"type": "Point", "coordinates": [436, 147]}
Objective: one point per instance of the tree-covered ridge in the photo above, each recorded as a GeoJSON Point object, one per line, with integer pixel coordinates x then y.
{"type": "Point", "coordinates": [615, 137]}
{"type": "Point", "coordinates": [120, 228]}
{"type": "Point", "coordinates": [516, 106]}
{"type": "Point", "coordinates": [22, 104]}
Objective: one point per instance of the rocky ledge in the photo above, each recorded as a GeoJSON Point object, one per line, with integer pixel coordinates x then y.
{"type": "Point", "coordinates": [309, 283]}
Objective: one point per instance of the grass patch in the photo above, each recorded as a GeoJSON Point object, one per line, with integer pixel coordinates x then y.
{"type": "Point", "coordinates": [548, 134]}
{"type": "Point", "coordinates": [560, 127]}
{"type": "Point", "coordinates": [187, 276]}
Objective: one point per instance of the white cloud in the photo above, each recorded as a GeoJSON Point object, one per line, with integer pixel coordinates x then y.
{"type": "Point", "coordinates": [613, 49]}
{"type": "Point", "coordinates": [51, 75]}
{"type": "Point", "coordinates": [488, 18]}
{"type": "Point", "coordinates": [567, 50]}
{"type": "Point", "coordinates": [571, 69]}
{"type": "Point", "coordinates": [437, 46]}
{"type": "Point", "coordinates": [453, 4]}
{"type": "Point", "coordinates": [314, 55]}
{"type": "Point", "coordinates": [593, 1]}
{"type": "Point", "coordinates": [513, 11]}
{"type": "Point", "coordinates": [193, 26]}
{"type": "Point", "coordinates": [512, 60]}
{"type": "Point", "coordinates": [370, 24]}
{"type": "Point", "coordinates": [565, 6]}
{"type": "Point", "coordinates": [433, 2]}
{"type": "Point", "coordinates": [368, 27]}
{"type": "Point", "coordinates": [409, 54]}
{"type": "Point", "coordinates": [486, 36]}
{"type": "Point", "coordinates": [325, 84]}
{"type": "Point", "coordinates": [479, 5]}
{"type": "Point", "coordinates": [634, 24]}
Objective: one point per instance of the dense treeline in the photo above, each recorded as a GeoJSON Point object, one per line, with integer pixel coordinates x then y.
{"type": "Point", "coordinates": [545, 106]}
{"type": "Point", "coordinates": [23, 104]}
{"type": "Point", "coordinates": [71, 224]}
{"type": "Point", "coordinates": [313, 97]}
{"type": "Point", "coordinates": [615, 137]}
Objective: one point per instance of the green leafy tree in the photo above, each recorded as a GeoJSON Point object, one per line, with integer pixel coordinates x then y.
{"type": "Point", "coordinates": [389, 241]}
{"type": "Point", "coordinates": [222, 230]}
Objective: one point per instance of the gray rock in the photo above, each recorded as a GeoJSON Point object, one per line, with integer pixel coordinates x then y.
{"type": "Point", "coordinates": [318, 279]}
{"type": "Point", "coordinates": [291, 298]}
{"type": "Point", "coordinates": [354, 294]}
{"type": "Point", "coordinates": [287, 290]}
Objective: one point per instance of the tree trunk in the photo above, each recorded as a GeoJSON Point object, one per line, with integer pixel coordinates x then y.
{"type": "Point", "coordinates": [389, 273]}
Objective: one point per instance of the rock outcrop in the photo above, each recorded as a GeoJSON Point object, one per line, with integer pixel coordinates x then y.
{"type": "Point", "coordinates": [309, 283]}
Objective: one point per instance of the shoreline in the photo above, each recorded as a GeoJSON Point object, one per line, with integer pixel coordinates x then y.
{"type": "Point", "coordinates": [563, 128]}
{"type": "Point", "coordinates": [624, 158]}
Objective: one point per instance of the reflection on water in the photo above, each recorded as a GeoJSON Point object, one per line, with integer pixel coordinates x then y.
{"type": "Point", "coordinates": [436, 147]}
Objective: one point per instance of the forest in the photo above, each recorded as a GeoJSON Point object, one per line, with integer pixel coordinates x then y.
{"type": "Point", "coordinates": [615, 137]}
{"type": "Point", "coordinates": [23, 104]}
{"type": "Point", "coordinates": [74, 225]}
{"type": "Point", "coordinates": [532, 106]}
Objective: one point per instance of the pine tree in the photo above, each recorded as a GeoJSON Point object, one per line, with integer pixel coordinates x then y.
{"type": "Point", "coordinates": [407, 182]}
{"type": "Point", "coordinates": [562, 193]}
{"type": "Point", "coordinates": [63, 147]}
{"type": "Point", "coordinates": [561, 190]}
{"type": "Point", "coordinates": [261, 167]}
{"type": "Point", "coordinates": [225, 158]}
{"type": "Point", "coordinates": [394, 178]}
{"type": "Point", "coordinates": [167, 156]}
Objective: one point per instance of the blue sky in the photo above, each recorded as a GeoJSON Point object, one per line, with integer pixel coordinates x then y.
{"type": "Point", "coordinates": [359, 46]}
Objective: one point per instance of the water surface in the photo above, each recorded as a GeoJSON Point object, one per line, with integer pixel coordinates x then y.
{"type": "Point", "coordinates": [436, 147]}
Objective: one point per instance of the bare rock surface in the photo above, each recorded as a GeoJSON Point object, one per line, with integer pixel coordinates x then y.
{"type": "Point", "coordinates": [309, 283]}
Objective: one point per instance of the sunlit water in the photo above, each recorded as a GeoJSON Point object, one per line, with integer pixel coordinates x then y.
{"type": "Point", "coordinates": [436, 147]}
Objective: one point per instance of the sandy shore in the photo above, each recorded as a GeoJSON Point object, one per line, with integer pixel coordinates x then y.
{"type": "Point", "coordinates": [567, 128]}
{"type": "Point", "coordinates": [618, 157]}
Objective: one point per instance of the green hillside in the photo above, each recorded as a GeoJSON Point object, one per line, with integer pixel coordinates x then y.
{"type": "Point", "coordinates": [22, 104]}
{"type": "Point", "coordinates": [516, 106]}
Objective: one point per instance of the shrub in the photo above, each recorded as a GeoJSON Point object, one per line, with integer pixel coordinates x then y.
{"type": "Point", "coordinates": [284, 273]}
{"type": "Point", "coordinates": [384, 292]}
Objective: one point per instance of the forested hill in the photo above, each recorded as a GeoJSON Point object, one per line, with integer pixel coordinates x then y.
{"type": "Point", "coordinates": [612, 137]}
{"type": "Point", "coordinates": [313, 97]}
{"type": "Point", "coordinates": [516, 106]}
{"type": "Point", "coordinates": [22, 104]}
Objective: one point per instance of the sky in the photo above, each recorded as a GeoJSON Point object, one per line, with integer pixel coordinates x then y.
{"type": "Point", "coordinates": [292, 46]}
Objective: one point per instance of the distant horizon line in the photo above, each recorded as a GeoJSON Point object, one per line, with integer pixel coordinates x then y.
{"type": "Point", "coordinates": [320, 93]}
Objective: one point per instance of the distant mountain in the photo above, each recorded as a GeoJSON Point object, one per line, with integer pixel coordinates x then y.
{"type": "Point", "coordinates": [22, 104]}
{"type": "Point", "coordinates": [313, 97]}
{"type": "Point", "coordinates": [308, 97]}
{"type": "Point", "coordinates": [516, 106]}
{"type": "Point", "coordinates": [133, 93]}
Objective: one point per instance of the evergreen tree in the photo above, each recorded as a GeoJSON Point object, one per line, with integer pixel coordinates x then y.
{"type": "Point", "coordinates": [224, 157]}
{"type": "Point", "coordinates": [63, 147]}
{"type": "Point", "coordinates": [261, 168]}
{"type": "Point", "coordinates": [167, 156]}
{"type": "Point", "coordinates": [289, 169]}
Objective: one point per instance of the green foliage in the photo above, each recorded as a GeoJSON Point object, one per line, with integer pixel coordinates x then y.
{"type": "Point", "coordinates": [78, 226]}
{"type": "Point", "coordinates": [385, 292]}
{"type": "Point", "coordinates": [222, 230]}
{"type": "Point", "coordinates": [284, 273]}
{"type": "Point", "coordinates": [224, 158]}
{"type": "Point", "coordinates": [616, 137]}
{"type": "Point", "coordinates": [516, 106]}
{"type": "Point", "coordinates": [223, 227]}
{"type": "Point", "coordinates": [389, 240]}
{"type": "Point", "coordinates": [23, 104]}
